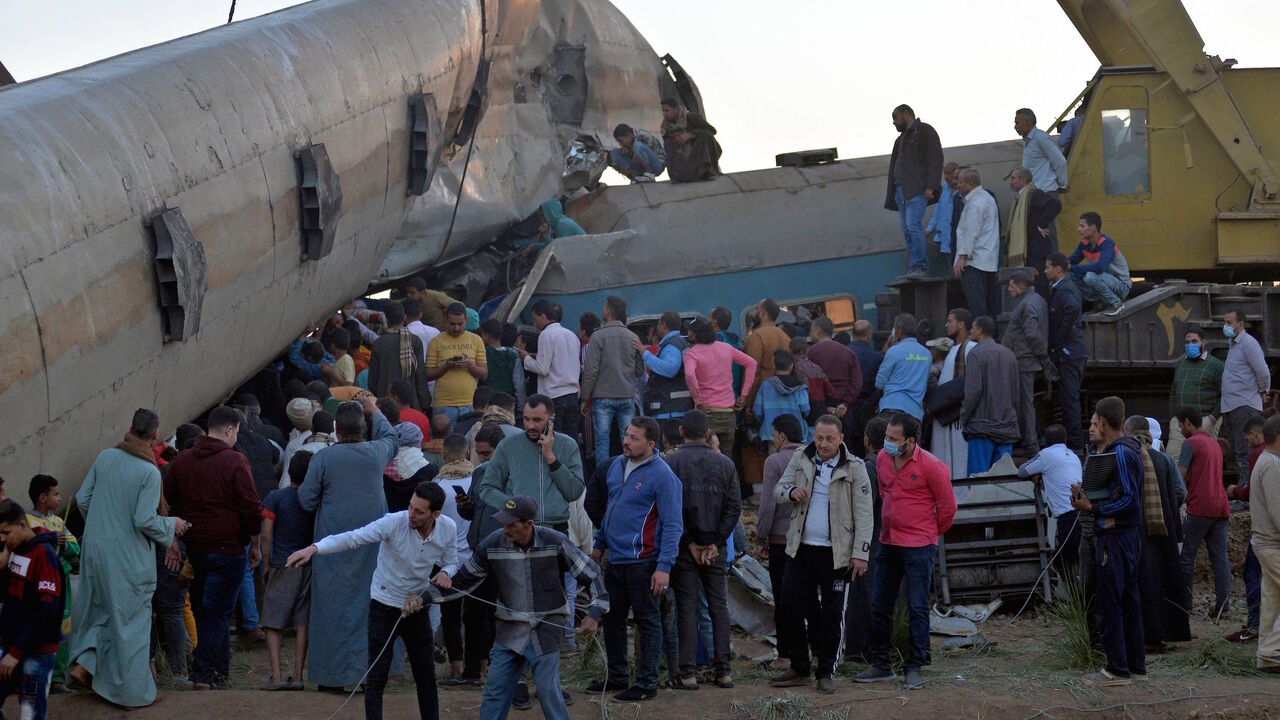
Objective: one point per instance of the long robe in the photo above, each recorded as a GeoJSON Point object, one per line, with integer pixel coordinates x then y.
{"type": "Point", "coordinates": [699, 159]}
{"type": "Point", "coordinates": [343, 488]}
{"type": "Point", "coordinates": [112, 624]}
{"type": "Point", "coordinates": [949, 444]}
{"type": "Point", "coordinates": [1164, 595]}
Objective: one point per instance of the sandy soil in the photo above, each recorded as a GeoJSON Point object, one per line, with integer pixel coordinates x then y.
{"type": "Point", "coordinates": [1016, 678]}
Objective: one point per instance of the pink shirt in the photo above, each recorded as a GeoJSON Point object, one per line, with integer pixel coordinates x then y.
{"type": "Point", "coordinates": [708, 371]}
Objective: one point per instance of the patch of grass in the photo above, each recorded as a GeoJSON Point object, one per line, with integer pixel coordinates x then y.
{"type": "Point", "coordinates": [584, 669]}
{"type": "Point", "coordinates": [1071, 645]}
{"type": "Point", "coordinates": [1216, 656]}
{"type": "Point", "coordinates": [788, 707]}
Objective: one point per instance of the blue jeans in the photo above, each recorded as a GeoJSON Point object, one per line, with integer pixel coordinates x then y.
{"type": "Point", "coordinates": [911, 216]}
{"type": "Point", "coordinates": [31, 680]}
{"type": "Point", "coordinates": [248, 599]}
{"type": "Point", "coordinates": [506, 668]}
{"type": "Point", "coordinates": [983, 453]}
{"type": "Point", "coordinates": [628, 588]}
{"type": "Point", "coordinates": [895, 563]}
{"type": "Point", "coordinates": [571, 594]}
{"type": "Point", "coordinates": [213, 593]}
{"type": "Point", "coordinates": [1252, 588]}
{"type": "Point", "coordinates": [1212, 532]}
{"type": "Point", "coordinates": [606, 414]}
{"type": "Point", "coordinates": [453, 413]}
{"type": "Point", "coordinates": [1106, 287]}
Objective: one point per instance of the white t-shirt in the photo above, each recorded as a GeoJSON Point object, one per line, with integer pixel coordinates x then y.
{"type": "Point", "coordinates": [450, 510]}
{"type": "Point", "coordinates": [817, 523]}
{"type": "Point", "coordinates": [1060, 469]}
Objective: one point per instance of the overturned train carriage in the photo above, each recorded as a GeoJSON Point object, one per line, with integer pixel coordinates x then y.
{"type": "Point", "coordinates": [171, 218]}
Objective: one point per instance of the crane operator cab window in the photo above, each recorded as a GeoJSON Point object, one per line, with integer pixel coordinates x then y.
{"type": "Point", "coordinates": [1124, 151]}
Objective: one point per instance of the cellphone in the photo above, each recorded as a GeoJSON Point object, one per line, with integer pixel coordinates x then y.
{"type": "Point", "coordinates": [457, 490]}
{"type": "Point", "coordinates": [458, 358]}
{"type": "Point", "coordinates": [546, 430]}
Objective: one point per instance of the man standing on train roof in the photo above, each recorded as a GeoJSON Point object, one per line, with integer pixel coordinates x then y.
{"type": "Point", "coordinates": [915, 181]}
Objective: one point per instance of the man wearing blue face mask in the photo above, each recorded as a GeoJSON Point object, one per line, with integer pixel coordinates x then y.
{"type": "Point", "coordinates": [1246, 380]}
{"type": "Point", "coordinates": [1197, 383]}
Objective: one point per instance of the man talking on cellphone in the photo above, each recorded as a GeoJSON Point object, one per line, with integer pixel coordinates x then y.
{"type": "Point", "coordinates": [541, 464]}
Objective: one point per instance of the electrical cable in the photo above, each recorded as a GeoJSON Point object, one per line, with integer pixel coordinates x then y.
{"type": "Point", "coordinates": [232, 13]}
{"type": "Point", "coordinates": [528, 616]}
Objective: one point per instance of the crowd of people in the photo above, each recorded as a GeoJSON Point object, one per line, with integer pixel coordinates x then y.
{"type": "Point", "coordinates": [503, 491]}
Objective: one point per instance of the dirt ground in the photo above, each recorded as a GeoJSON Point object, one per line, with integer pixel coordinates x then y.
{"type": "Point", "coordinates": [1016, 678]}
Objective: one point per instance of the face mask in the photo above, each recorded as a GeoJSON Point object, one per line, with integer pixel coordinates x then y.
{"type": "Point", "coordinates": [892, 448]}
{"type": "Point", "coordinates": [1229, 331]}
{"type": "Point", "coordinates": [1193, 351]}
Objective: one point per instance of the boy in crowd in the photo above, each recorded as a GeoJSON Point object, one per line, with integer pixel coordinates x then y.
{"type": "Point", "coordinates": [783, 394]}
{"type": "Point", "coordinates": [286, 529]}
{"type": "Point", "coordinates": [45, 500]}
{"type": "Point", "coordinates": [31, 619]}
{"type": "Point", "coordinates": [342, 373]}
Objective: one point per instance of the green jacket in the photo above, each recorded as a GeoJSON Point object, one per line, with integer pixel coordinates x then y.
{"type": "Point", "coordinates": [517, 468]}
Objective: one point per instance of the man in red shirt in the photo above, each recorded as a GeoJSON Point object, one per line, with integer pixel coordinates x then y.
{"type": "Point", "coordinates": [1207, 509]}
{"type": "Point", "coordinates": [917, 507]}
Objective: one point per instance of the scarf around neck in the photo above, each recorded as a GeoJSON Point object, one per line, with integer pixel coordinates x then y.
{"type": "Point", "coordinates": [1018, 227]}
{"type": "Point", "coordinates": [408, 358]}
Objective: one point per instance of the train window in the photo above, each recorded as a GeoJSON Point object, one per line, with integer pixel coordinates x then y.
{"type": "Point", "coordinates": [1125, 151]}
{"type": "Point", "coordinates": [842, 310]}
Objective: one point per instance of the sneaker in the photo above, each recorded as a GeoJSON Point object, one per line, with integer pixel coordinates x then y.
{"type": "Point", "coordinates": [875, 674]}
{"type": "Point", "coordinates": [914, 680]}
{"type": "Point", "coordinates": [1243, 635]}
{"type": "Point", "coordinates": [521, 701]}
{"type": "Point", "coordinates": [568, 699]}
{"type": "Point", "coordinates": [600, 686]}
{"type": "Point", "coordinates": [1114, 310]}
{"type": "Point", "coordinates": [916, 274]}
{"type": "Point", "coordinates": [1106, 679]}
{"type": "Point", "coordinates": [790, 678]}
{"type": "Point", "coordinates": [827, 686]}
{"type": "Point", "coordinates": [635, 693]}
{"type": "Point", "coordinates": [1137, 676]}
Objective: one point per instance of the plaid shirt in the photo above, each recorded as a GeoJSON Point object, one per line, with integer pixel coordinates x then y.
{"type": "Point", "coordinates": [1197, 384]}
{"type": "Point", "coordinates": [533, 606]}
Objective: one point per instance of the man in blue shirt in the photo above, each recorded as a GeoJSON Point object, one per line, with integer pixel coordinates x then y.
{"type": "Point", "coordinates": [1040, 154]}
{"type": "Point", "coordinates": [904, 374]}
{"type": "Point", "coordinates": [633, 158]}
{"type": "Point", "coordinates": [942, 227]}
{"type": "Point", "coordinates": [666, 396]}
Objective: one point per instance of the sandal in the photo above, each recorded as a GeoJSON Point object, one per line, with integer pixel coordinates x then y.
{"type": "Point", "coordinates": [681, 684]}
{"type": "Point", "coordinates": [292, 684]}
{"type": "Point", "coordinates": [271, 686]}
{"type": "Point", "coordinates": [725, 682]}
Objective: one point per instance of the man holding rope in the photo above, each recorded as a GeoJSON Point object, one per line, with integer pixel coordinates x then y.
{"type": "Point", "coordinates": [528, 563]}
{"type": "Point", "coordinates": [414, 544]}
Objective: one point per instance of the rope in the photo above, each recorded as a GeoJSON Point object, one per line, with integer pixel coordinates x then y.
{"type": "Point", "coordinates": [529, 616]}
{"type": "Point", "coordinates": [231, 14]}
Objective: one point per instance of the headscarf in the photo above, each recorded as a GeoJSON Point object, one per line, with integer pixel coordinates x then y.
{"type": "Point", "coordinates": [299, 411]}
{"type": "Point", "coordinates": [410, 435]}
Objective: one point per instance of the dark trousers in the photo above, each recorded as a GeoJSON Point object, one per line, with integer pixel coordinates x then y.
{"type": "Point", "coordinates": [686, 578]}
{"type": "Point", "coordinates": [1212, 533]}
{"type": "Point", "coordinates": [216, 585]}
{"type": "Point", "coordinates": [894, 564]}
{"type": "Point", "coordinates": [167, 604]}
{"type": "Point", "coordinates": [451, 624]}
{"type": "Point", "coordinates": [1027, 410]}
{"type": "Point", "coordinates": [778, 561]}
{"type": "Point", "coordinates": [1067, 544]}
{"type": "Point", "coordinates": [1233, 428]}
{"type": "Point", "coordinates": [1118, 603]}
{"type": "Point", "coordinates": [1070, 376]}
{"type": "Point", "coordinates": [478, 624]}
{"type": "Point", "coordinates": [569, 416]}
{"type": "Point", "coordinates": [981, 291]}
{"type": "Point", "coordinates": [1252, 588]}
{"type": "Point", "coordinates": [628, 588]}
{"type": "Point", "coordinates": [812, 569]}
{"type": "Point", "coordinates": [415, 631]}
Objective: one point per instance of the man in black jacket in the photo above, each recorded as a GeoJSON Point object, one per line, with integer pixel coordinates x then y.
{"type": "Point", "coordinates": [711, 508]}
{"type": "Point", "coordinates": [915, 181]}
{"type": "Point", "coordinates": [1042, 235]}
{"type": "Point", "coordinates": [1066, 348]}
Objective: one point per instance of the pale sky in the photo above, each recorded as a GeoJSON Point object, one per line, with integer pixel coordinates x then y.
{"type": "Point", "coordinates": [775, 76]}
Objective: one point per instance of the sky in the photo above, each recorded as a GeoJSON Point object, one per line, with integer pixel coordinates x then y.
{"type": "Point", "coordinates": [774, 77]}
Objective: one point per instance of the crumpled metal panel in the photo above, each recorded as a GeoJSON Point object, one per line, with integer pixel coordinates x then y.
{"type": "Point", "coordinates": [519, 146]}
{"type": "Point", "coordinates": [320, 199]}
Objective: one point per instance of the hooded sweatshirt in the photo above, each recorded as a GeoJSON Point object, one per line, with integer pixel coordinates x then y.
{"type": "Point", "coordinates": [211, 487]}
{"type": "Point", "coordinates": [782, 395]}
{"type": "Point", "coordinates": [561, 225]}
{"type": "Point", "coordinates": [31, 618]}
